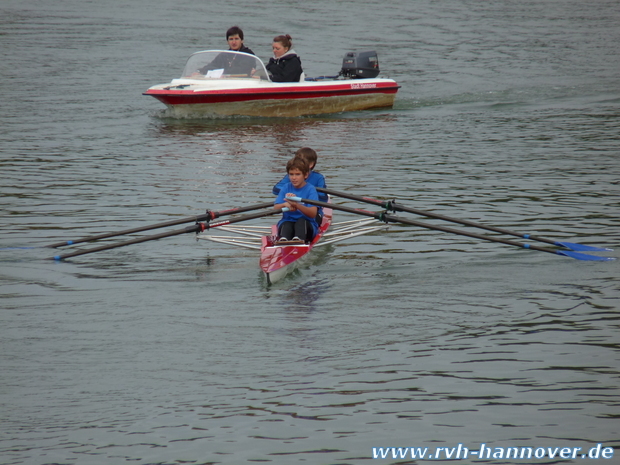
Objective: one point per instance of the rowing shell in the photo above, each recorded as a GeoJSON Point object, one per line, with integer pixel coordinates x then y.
{"type": "Point", "coordinates": [277, 261]}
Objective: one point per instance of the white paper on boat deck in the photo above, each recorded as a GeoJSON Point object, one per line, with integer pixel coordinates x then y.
{"type": "Point", "coordinates": [215, 73]}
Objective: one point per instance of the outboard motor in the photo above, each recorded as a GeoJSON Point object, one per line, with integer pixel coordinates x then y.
{"type": "Point", "coordinates": [360, 65]}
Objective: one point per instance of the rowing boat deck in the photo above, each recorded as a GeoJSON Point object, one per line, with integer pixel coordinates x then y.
{"type": "Point", "coordinates": [277, 261]}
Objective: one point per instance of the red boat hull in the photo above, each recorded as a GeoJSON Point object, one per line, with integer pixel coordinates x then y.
{"type": "Point", "coordinates": [278, 260]}
{"type": "Point", "coordinates": [279, 100]}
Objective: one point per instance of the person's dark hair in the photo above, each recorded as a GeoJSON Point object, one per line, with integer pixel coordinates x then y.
{"type": "Point", "coordinates": [307, 154]}
{"type": "Point", "coordinates": [233, 31]}
{"type": "Point", "coordinates": [298, 163]}
{"type": "Point", "coordinates": [285, 40]}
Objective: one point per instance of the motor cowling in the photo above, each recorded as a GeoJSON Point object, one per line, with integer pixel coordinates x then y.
{"type": "Point", "coordinates": [360, 65]}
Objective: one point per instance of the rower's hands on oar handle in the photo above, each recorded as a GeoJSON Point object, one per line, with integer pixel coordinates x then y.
{"type": "Point", "coordinates": [291, 201]}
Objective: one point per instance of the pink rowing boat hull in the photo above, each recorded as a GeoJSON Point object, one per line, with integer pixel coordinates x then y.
{"type": "Point", "coordinates": [278, 260]}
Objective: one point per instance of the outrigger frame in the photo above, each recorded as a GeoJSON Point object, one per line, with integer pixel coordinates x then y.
{"type": "Point", "coordinates": [250, 237]}
{"type": "Point", "coordinates": [276, 260]}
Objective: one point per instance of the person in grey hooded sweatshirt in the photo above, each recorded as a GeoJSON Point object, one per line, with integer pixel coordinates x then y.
{"type": "Point", "coordinates": [285, 65]}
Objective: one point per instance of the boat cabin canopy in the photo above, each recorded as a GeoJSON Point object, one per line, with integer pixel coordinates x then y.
{"type": "Point", "coordinates": [224, 64]}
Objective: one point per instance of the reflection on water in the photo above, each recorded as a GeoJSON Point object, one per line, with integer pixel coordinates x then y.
{"type": "Point", "coordinates": [287, 128]}
{"type": "Point", "coordinates": [230, 144]}
{"type": "Point", "coordinates": [302, 299]}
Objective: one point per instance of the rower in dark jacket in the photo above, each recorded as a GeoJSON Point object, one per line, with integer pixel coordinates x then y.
{"type": "Point", "coordinates": [285, 66]}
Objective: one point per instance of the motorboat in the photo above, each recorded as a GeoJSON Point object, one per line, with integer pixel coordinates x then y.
{"type": "Point", "coordinates": [220, 83]}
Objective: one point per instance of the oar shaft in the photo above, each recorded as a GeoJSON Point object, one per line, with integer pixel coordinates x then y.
{"type": "Point", "coordinates": [188, 229]}
{"type": "Point", "coordinates": [204, 217]}
{"type": "Point", "coordinates": [394, 206]}
{"type": "Point", "coordinates": [199, 227]}
{"type": "Point", "coordinates": [396, 219]}
{"type": "Point", "coordinates": [380, 203]}
{"type": "Point", "coordinates": [128, 231]}
{"type": "Point", "coordinates": [565, 253]}
{"type": "Point", "coordinates": [234, 211]}
{"type": "Point", "coordinates": [239, 219]}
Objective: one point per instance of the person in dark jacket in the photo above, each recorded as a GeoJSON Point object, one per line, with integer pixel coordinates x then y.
{"type": "Point", "coordinates": [285, 65]}
{"type": "Point", "coordinates": [234, 36]}
{"type": "Point", "coordinates": [230, 63]}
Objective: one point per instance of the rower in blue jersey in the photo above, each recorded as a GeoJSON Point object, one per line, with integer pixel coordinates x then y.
{"type": "Point", "coordinates": [315, 178]}
{"type": "Point", "coordinates": [298, 224]}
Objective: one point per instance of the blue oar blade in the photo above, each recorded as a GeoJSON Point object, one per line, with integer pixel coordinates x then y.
{"type": "Point", "coordinates": [582, 248]}
{"type": "Point", "coordinates": [583, 256]}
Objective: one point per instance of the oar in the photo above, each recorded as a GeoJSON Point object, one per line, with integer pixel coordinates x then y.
{"type": "Point", "coordinates": [396, 219]}
{"type": "Point", "coordinates": [393, 206]}
{"type": "Point", "coordinates": [198, 227]}
{"type": "Point", "coordinates": [210, 215]}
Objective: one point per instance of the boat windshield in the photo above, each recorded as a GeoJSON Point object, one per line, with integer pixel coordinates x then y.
{"type": "Point", "coordinates": [224, 64]}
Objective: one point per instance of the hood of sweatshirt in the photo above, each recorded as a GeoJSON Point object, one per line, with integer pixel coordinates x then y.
{"type": "Point", "coordinates": [291, 53]}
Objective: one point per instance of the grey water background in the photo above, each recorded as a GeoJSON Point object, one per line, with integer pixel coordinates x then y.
{"type": "Point", "coordinates": [176, 351]}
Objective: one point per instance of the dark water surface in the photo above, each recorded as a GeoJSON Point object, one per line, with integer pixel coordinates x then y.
{"type": "Point", "coordinates": [176, 351]}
